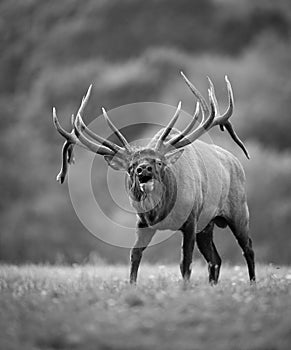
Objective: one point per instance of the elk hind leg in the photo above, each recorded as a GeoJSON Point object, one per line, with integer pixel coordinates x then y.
{"type": "Point", "coordinates": [240, 229]}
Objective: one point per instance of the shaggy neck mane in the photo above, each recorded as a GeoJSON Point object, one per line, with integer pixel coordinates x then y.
{"type": "Point", "coordinates": [154, 206]}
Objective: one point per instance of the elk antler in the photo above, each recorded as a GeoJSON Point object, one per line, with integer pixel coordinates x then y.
{"type": "Point", "coordinates": [169, 127]}
{"type": "Point", "coordinates": [184, 138]}
{"type": "Point", "coordinates": [77, 137]}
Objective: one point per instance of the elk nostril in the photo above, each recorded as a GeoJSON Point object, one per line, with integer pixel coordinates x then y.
{"type": "Point", "coordinates": [149, 169]}
{"type": "Point", "coordinates": [139, 170]}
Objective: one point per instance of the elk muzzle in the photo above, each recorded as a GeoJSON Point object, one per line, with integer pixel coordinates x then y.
{"type": "Point", "coordinates": [145, 173]}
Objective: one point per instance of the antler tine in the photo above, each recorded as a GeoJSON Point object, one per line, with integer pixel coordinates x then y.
{"type": "Point", "coordinates": [82, 127]}
{"type": "Point", "coordinates": [228, 113]}
{"type": "Point", "coordinates": [169, 127]}
{"type": "Point", "coordinates": [214, 118]}
{"type": "Point", "coordinates": [85, 100]}
{"type": "Point", "coordinates": [96, 137]}
{"type": "Point", "coordinates": [68, 136]}
{"type": "Point", "coordinates": [235, 138]}
{"type": "Point", "coordinates": [211, 85]}
{"type": "Point", "coordinates": [72, 120]}
{"type": "Point", "coordinates": [79, 127]}
{"type": "Point", "coordinates": [203, 115]}
{"type": "Point", "coordinates": [98, 149]}
{"type": "Point", "coordinates": [116, 131]}
{"type": "Point", "coordinates": [71, 158]}
{"type": "Point", "coordinates": [224, 122]}
{"type": "Point", "coordinates": [67, 149]}
{"type": "Point", "coordinates": [206, 124]}
{"type": "Point", "coordinates": [215, 100]}
{"type": "Point", "coordinates": [196, 93]}
{"type": "Point", "coordinates": [65, 160]}
{"type": "Point", "coordinates": [188, 128]}
{"type": "Point", "coordinates": [194, 119]}
{"type": "Point", "coordinates": [202, 127]}
{"type": "Point", "coordinates": [75, 137]}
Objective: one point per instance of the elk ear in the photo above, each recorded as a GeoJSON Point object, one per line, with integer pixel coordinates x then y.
{"type": "Point", "coordinates": [116, 163]}
{"type": "Point", "coordinates": [174, 156]}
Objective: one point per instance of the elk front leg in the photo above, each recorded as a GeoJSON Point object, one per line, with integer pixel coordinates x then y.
{"type": "Point", "coordinates": [207, 248]}
{"type": "Point", "coordinates": [188, 242]}
{"type": "Point", "coordinates": [144, 236]}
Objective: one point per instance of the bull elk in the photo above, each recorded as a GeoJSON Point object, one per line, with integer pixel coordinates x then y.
{"type": "Point", "coordinates": [175, 183]}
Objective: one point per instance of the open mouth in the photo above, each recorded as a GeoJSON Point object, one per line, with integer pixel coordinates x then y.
{"type": "Point", "coordinates": [144, 179]}
{"type": "Point", "coordinates": [146, 183]}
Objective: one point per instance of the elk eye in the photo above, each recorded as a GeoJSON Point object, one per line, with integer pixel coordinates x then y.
{"type": "Point", "coordinates": [159, 163]}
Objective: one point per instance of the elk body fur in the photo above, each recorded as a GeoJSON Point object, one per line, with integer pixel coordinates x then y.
{"type": "Point", "coordinates": [178, 184]}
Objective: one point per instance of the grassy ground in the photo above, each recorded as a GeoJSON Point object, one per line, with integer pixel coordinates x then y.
{"type": "Point", "coordinates": [95, 308]}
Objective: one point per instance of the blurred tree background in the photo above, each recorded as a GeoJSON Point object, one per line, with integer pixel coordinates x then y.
{"type": "Point", "coordinates": [132, 51]}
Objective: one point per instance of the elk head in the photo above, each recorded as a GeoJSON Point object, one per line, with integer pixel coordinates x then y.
{"type": "Point", "coordinates": [151, 163]}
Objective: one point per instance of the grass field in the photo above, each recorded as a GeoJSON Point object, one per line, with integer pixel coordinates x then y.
{"type": "Point", "coordinates": [43, 307]}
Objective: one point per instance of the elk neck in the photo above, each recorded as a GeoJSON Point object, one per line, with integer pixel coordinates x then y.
{"type": "Point", "coordinates": [154, 206]}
